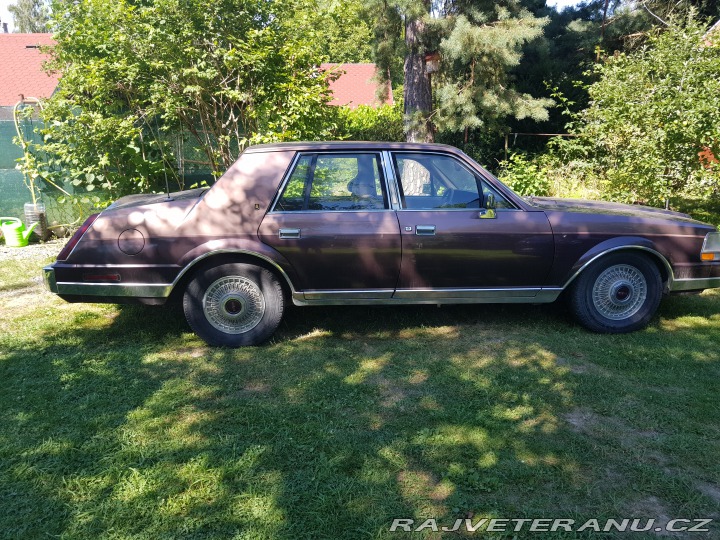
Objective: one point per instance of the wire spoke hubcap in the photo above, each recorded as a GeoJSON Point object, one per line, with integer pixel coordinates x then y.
{"type": "Point", "coordinates": [234, 304]}
{"type": "Point", "coordinates": [619, 292]}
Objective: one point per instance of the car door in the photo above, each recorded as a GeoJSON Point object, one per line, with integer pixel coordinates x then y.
{"type": "Point", "coordinates": [333, 223]}
{"type": "Point", "coordinates": [452, 245]}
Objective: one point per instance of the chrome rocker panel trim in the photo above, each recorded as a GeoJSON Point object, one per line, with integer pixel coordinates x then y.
{"type": "Point", "coordinates": [695, 284]}
{"type": "Point", "coordinates": [432, 296]}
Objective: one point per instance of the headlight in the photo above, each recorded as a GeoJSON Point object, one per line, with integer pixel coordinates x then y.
{"type": "Point", "coordinates": [711, 247]}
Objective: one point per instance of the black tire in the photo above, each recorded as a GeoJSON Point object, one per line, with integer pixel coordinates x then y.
{"type": "Point", "coordinates": [234, 304]}
{"type": "Point", "coordinates": [617, 294]}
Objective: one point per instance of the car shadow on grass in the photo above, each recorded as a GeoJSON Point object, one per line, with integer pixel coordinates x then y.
{"type": "Point", "coordinates": [126, 424]}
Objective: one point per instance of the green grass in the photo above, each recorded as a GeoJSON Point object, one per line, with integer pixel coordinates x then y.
{"type": "Point", "coordinates": [117, 422]}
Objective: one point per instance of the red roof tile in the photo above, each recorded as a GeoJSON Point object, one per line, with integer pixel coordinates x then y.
{"type": "Point", "coordinates": [355, 86]}
{"type": "Point", "coordinates": [21, 68]}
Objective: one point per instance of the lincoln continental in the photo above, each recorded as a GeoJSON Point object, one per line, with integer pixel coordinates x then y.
{"type": "Point", "coordinates": [378, 223]}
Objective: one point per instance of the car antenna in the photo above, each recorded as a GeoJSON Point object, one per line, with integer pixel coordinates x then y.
{"type": "Point", "coordinates": [162, 154]}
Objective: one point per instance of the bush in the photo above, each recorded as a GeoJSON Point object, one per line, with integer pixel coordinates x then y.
{"type": "Point", "coordinates": [524, 176]}
{"type": "Point", "coordinates": [384, 123]}
{"type": "Point", "coordinates": [651, 113]}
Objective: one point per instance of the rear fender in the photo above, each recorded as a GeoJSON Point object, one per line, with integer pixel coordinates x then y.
{"type": "Point", "coordinates": [248, 248]}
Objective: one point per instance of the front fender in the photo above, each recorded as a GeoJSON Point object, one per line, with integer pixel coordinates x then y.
{"type": "Point", "coordinates": [612, 245]}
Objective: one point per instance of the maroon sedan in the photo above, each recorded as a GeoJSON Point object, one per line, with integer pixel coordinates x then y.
{"type": "Point", "coordinates": [377, 223]}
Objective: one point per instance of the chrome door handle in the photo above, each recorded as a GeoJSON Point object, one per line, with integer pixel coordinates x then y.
{"type": "Point", "coordinates": [425, 230]}
{"type": "Point", "coordinates": [289, 233]}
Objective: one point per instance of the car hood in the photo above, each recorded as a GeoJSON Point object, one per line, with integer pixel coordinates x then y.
{"type": "Point", "coordinates": [609, 208]}
{"type": "Point", "coordinates": [143, 200]}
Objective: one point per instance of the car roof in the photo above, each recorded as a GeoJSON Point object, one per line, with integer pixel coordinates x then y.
{"type": "Point", "coordinates": [350, 145]}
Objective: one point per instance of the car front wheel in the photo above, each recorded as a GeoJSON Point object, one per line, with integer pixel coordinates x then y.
{"type": "Point", "coordinates": [618, 293]}
{"type": "Point", "coordinates": [234, 305]}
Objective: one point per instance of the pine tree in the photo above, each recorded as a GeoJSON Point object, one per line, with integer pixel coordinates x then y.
{"type": "Point", "coordinates": [478, 42]}
{"type": "Point", "coordinates": [30, 16]}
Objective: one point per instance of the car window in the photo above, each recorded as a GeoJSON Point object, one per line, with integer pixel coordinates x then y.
{"type": "Point", "coordinates": [435, 181]}
{"type": "Point", "coordinates": [334, 182]}
{"type": "Point", "coordinates": [501, 202]}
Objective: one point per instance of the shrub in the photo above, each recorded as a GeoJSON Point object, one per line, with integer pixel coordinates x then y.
{"type": "Point", "coordinates": [524, 176]}
{"type": "Point", "coordinates": [364, 123]}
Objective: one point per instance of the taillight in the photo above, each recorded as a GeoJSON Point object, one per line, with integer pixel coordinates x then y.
{"type": "Point", "coordinates": [65, 253]}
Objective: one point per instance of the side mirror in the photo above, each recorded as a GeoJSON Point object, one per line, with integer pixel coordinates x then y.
{"type": "Point", "coordinates": [489, 211]}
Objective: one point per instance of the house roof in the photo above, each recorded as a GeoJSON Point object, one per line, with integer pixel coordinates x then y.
{"type": "Point", "coordinates": [21, 68]}
{"type": "Point", "coordinates": [356, 85]}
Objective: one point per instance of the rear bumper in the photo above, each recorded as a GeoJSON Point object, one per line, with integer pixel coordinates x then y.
{"type": "Point", "coordinates": [114, 293]}
{"type": "Point", "coordinates": [49, 279]}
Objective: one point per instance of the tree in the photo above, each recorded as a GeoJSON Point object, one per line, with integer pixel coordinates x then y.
{"type": "Point", "coordinates": [343, 31]}
{"type": "Point", "coordinates": [652, 129]}
{"type": "Point", "coordinates": [478, 43]}
{"type": "Point", "coordinates": [30, 16]}
{"type": "Point", "coordinates": [140, 80]}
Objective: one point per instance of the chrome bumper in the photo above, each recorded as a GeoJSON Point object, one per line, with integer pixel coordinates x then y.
{"type": "Point", "coordinates": [134, 290]}
{"type": "Point", "coordinates": [49, 279]}
{"type": "Point", "coordinates": [698, 284]}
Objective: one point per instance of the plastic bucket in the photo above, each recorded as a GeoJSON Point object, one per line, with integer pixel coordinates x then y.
{"type": "Point", "coordinates": [35, 213]}
{"type": "Point", "coordinates": [12, 229]}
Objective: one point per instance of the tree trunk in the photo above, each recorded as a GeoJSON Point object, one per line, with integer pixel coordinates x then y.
{"type": "Point", "coordinates": [417, 94]}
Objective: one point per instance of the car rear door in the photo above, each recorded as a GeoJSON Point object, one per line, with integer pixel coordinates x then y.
{"type": "Point", "coordinates": [333, 223]}
{"type": "Point", "coordinates": [453, 246]}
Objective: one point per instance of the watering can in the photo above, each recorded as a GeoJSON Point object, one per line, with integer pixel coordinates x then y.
{"type": "Point", "coordinates": [14, 232]}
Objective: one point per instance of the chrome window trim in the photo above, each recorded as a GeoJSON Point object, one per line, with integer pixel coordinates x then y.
{"type": "Point", "coordinates": [299, 155]}
{"type": "Point", "coordinates": [666, 264]}
{"type": "Point", "coordinates": [295, 212]}
{"type": "Point", "coordinates": [468, 165]}
{"type": "Point", "coordinates": [391, 181]}
{"type": "Point", "coordinates": [475, 210]}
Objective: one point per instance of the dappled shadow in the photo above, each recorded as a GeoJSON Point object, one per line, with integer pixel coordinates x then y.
{"type": "Point", "coordinates": [121, 420]}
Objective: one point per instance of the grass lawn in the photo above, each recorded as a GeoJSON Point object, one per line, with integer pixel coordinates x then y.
{"type": "Point", "coordinates": [117, 422]}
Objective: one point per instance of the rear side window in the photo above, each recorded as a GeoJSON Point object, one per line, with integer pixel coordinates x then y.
{"type": "Point", "coordinates": [334, 182]}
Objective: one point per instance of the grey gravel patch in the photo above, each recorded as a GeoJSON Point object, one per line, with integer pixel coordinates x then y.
{"type": "Point", "coordinates": [38, 251]}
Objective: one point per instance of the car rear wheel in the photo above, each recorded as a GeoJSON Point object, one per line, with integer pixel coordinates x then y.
{"type": "Point", "coordinates": [618, 293]}
{"type": "Point", "coordinates": [234, 305]}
